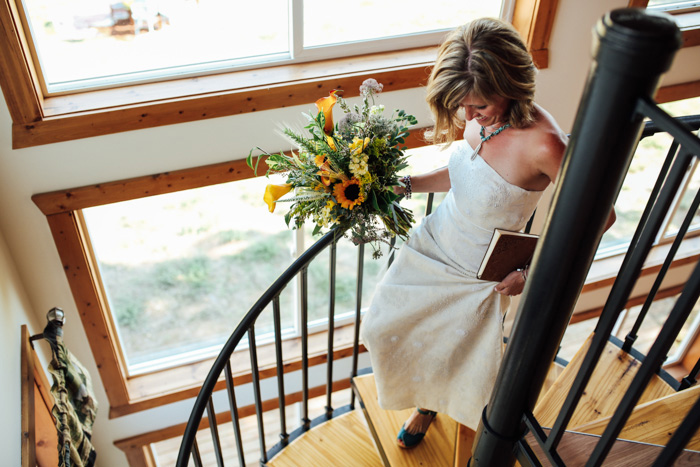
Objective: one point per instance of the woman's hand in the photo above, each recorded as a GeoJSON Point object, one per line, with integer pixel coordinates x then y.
{"type": "Point", "coordinates": [512, 285]}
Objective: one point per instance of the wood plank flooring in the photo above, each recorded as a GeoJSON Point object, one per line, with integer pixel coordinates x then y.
{"type": "Point", "coordinates": [342, 441]}
{"type": "Point", "coordinates": [436, 450]}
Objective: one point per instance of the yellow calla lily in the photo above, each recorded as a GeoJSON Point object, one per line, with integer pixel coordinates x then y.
{"type": "Point", "coordinates": [325, 105]}
{"type": "Point", "coordinates": [331, 143]}
{"type": "Point", "coordinates": [275, 192]}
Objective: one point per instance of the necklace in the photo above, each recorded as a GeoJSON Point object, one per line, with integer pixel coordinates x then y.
{"type": "Point", "coordinates": [486, 138]}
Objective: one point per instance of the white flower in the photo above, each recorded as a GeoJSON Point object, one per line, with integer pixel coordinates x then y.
{"type": "Point", "coordinates": [376, 109]}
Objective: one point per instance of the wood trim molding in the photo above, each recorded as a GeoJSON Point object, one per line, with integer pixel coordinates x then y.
{"type": "Point", "coordinates": [678, 92]}
{"type": "Point", "coordinates": [90, 123]}
{"type": "Point", "coordinates": [38, 121]}
{"type": "Point", "coordinates": [691, 35]}
{"type": "Point", "coordinates": [534, 19]}
{"type": "Point", "coordinates": [70, 243]}
{"type": "Point", "coordinates": [23, 100]}
{"type": "Point", "coordinates": [74, 199]}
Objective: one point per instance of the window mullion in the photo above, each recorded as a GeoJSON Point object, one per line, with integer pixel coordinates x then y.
{"type": "Point", "coordinates": [296, 28]}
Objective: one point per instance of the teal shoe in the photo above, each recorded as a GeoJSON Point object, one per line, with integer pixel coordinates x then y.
{"type": "Point", "coordinates": [410, 440]}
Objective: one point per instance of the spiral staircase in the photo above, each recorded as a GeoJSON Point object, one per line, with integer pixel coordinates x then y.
{"type": "Point", "coordinates": [609, 405]}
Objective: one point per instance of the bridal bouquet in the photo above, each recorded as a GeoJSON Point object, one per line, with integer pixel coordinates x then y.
{"type": "Point", "coordinates": [343, 175]}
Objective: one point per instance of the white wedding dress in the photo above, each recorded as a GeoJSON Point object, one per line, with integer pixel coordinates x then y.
{"type": "Point", "coordinates": [435, 332]}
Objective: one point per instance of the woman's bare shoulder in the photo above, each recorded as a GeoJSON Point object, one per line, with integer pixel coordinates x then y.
{"type": "Point", "coordinates": [548, 143]}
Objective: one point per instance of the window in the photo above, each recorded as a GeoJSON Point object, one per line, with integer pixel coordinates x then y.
{"type": "Point", "coordinates": [180, 270]}
{"type": "Point", "coordinates": [85, 44]}
{"type": "Point", "coordinates": [639, 182]}
{"type": "Point", "coordinates": [152, 99]}
{"type": "Point", "coordinates": [131, 381]}
{"type": "Point", "coordinates": [686, 14]}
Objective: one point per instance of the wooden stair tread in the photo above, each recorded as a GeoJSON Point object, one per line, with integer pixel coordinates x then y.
{"type": "Point", "coordinates": [343, 440]}
{"type": "Point", "coordinates": [576, 449]}
{"type": "Point", "coordinates": [654, 422]}
{"type": "Point", "coordinates": [436, 449]}
{"type": "Point", "coordinates": [611, 378]}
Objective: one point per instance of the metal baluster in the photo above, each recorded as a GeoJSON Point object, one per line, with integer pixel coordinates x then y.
{"type": "Point", "coordinates": [691, 378]}
{"type": "Point", "coordinates": [358, 312]}
{"type": "Point", "coordinates": [284, 436]}
{"type": "Point", "coordinates": [541, 438]}
{"type": "Point", "coordinates": [619, 295]}
{"type": "Point", "coordinates": [253, 348]}
{"type": "Point", "coordinates": [653, 198]}
{"type": "Point", "coordinates": [632, 335]}
{"type": "Point", "coordinates": [195, 454]}
{"type": "Point", "coordinates": [211, 415]}
{"type": "Point", "coordinates": [651, 364]}
{"type": "Point", "coordinates": [306, 421]}
{"type": "Point", "coordinates": [331, 329]}
{"type": "Point", "coordinates": [680, 438]}
{"type": "Point", "coordinates": [429, 204]}
{"type": "Point", "coordinates": [234, 413]}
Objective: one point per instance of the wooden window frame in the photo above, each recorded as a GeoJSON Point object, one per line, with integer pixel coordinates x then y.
{"type": "Point", "coordinates": [691, 36]}
{"type": "Point", "coordinates": [39, 120]}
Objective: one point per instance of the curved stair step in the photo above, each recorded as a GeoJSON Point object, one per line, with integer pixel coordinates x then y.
{"type": "Point", "coordinates": [341, 441]}
{"type": "Point", "coordinates": [576, 448]}
{"type": "Point", "coordinates": [436, 450]}
{"type": "Point", "coordinates": [611, 378]}
{"type": "Point", "coordinates": [654, 422]}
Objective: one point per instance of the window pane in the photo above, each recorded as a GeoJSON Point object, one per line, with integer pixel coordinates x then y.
{"type": "Point", "coordinates": [640, 180]}
{"type": "Point", "coordinates": [684, 205]}
{"type": "Point", "coordinates": [85, 39]}
{"type": "Point", "coordinates": [333, 22]}
{"type": "Point", "coordinates": [181, 270]}
{"type": "Point", "coordinates": [672, 4]}
{"type": "Point", "coordinates": [656, 317]}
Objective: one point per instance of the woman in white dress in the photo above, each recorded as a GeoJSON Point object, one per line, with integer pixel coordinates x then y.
{"type": "Point", "coordinates": [434, 332]}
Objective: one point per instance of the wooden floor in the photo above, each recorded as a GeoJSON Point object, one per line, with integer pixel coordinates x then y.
{"type": "Point", "coordinates": [342, 441]}
{"type": "Point", "coordinates": [436, 450]}
{"type": "Point", "coordinates": [166, 451]}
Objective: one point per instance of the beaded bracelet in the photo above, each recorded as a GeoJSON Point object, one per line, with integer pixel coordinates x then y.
{"type": "Point", "coordinates": [407, 181]}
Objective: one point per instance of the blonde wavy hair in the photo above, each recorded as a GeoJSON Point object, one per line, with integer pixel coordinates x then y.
{"type": "Point", "coordinates": [483, 59]}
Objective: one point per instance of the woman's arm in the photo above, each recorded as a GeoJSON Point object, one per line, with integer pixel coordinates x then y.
{"type": "Point", "coordinates": [432, 182]}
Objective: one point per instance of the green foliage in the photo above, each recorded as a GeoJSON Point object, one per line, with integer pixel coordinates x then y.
{"type": "Point", "coordinates": [364, 150]}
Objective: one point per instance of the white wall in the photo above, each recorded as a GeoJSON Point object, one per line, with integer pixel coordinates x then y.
{"type": "Point", "coordinates": [32, 279]}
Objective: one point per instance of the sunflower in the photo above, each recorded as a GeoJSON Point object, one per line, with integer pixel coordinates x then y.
{"type": "Point", "coordinates": [348, 193]}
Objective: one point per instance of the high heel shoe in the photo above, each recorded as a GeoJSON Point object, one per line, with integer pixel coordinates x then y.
{"type": "Point", "coordinates": [409, 440]}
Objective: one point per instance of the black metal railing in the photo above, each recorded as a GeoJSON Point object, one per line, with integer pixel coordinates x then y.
{"type": "Point", "coordinates": [222, 364]}
{"type": "Point", "coordinates": [632, 49]}
{"type": "Point", "coordinates": [189, 448]}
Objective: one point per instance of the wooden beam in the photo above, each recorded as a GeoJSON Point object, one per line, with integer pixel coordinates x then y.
{"type": "Point", "coordinates": [678, 92]}
{"type": "Point", "coordinates": [140, 443]}
{"type": "Point", "coordinates": [27, 402]}
{"type": "Point", "coordinates": [69, 241]}
{"type": "Point", "coordinates": [73, 199]}
{"type": "Point", "coordinates": [23, 99]}
{"type": "Point", "coordinates": [150, 114]}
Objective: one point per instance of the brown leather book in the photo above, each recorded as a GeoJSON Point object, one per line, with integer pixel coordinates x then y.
{"type": "Point", "coordinates": [506, 252]}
